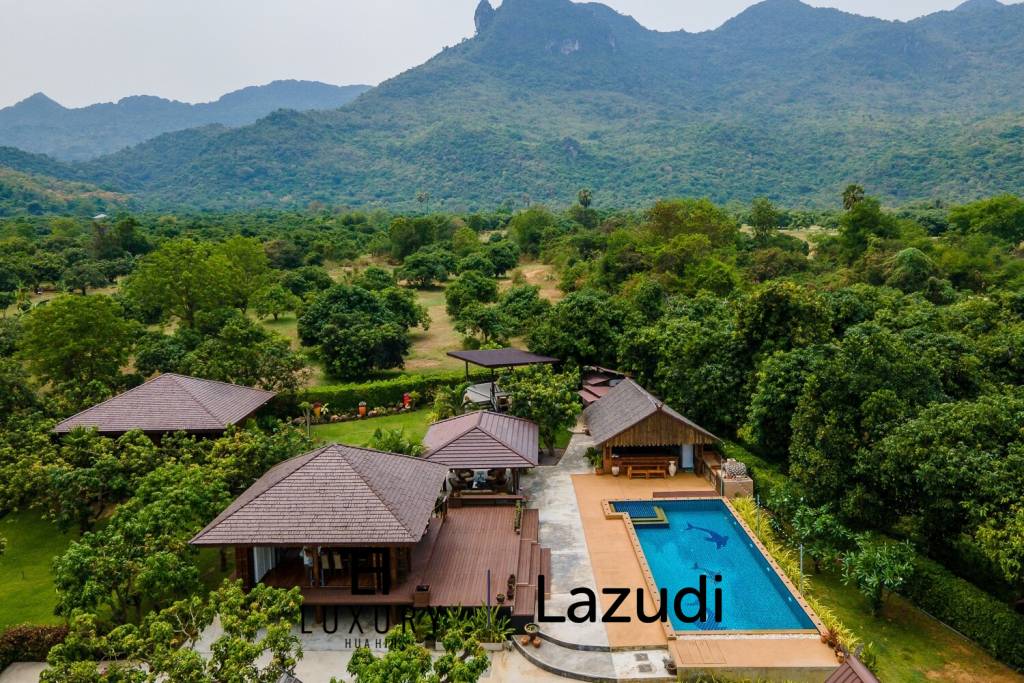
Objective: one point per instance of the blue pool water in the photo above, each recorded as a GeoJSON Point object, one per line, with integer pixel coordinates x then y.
{"type": "Point", "coordinates": [703, 537]}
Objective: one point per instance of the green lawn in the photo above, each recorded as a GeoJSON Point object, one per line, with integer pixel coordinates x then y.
{"type": "Point", "coordinates": [909, 644]}
{"type": "Point", "coordinates": [27, 594]}
{"type": "Point", "coordinates": [359, 432]}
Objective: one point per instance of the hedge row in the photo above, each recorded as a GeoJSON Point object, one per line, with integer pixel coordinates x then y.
{"type": "Point", "coordinates": [345, 398]}
{"type": "Point", "coordinates": [968, 609]}
{"type": "Point", "coordinates": [26, 643]}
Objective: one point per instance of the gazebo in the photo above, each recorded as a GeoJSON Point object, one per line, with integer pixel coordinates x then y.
{"type": "Point", "coordinates": [488, 393]}
{"type": "Point", "coordinates": [482, 447]}
{"type": "Point", "coordinates": [640, 434]}
{"type": "Point", "coordinates": [171, 403]}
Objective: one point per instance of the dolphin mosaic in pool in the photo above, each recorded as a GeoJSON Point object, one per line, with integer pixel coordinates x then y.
{"type": "Point", "coordinates": [718, 539]}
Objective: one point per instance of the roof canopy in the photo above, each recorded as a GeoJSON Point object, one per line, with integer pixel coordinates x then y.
{"type": "Point", "coordinates": [483, 440]}
{"type": "Point", "coordinates": [171, 403]}
{"type": "Point", "coordinates": [502, 358]}
{"type": "Point", "coordinates": [336, 496]}
{"type": "Point", "coordinates": [626, 406]}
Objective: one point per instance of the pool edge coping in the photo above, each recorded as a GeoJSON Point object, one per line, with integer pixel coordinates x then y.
{"type": "Point", "coordinates": [670, 632]}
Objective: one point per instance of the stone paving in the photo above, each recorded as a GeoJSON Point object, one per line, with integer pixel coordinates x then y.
{"type": "Point", "coordinates": [551, 490]}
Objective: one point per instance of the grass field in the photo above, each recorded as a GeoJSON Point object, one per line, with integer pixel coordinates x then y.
{"type": "Point", "coordinates": [909, 644]}
{"type": "Point", "coordinates": [359, 432]}
{"type": "Point", "coordinates": [27, 595]}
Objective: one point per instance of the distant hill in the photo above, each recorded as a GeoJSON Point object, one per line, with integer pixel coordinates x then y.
{"type": "Point", "coordinates": [784, 100]}
{"type": "Point", "coordinates": [38, 124]}
{"type": "Point", "coordinates": [29, 194]}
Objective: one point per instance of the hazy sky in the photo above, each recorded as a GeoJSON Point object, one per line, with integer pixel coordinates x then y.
{"type": "Point", "coordinates": [84, 51]}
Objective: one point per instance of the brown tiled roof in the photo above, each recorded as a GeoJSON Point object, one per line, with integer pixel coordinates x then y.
{"type": "Point", "coordinates": [627, 404]}
{"type": "Point", "coordinates": [501, 358]}
{"type": "Point", "coordinates": [336, 495]}
{"type": "Point", "coordinates": [483, 440]}
{"type": "Point", "coordinates": [170, 403]}
{"type": "Point", "coordinates": [853, 671]}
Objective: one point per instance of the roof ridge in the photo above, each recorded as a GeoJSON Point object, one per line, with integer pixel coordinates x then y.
{"type": "Point", "coordinates": [508, 446]}
{"type": "Point", "coordinates": [377, 493]}
{"type": "Point", "coordinates": [220, 520]}
{"type": "Point", "coordinates": [104, 402]}
{"type": "Point", "coordinates": [195, 398]}
{"type": "Point", "coordinates": [217, 381]}
{"type": "Point", "coordinates": [467, 430]}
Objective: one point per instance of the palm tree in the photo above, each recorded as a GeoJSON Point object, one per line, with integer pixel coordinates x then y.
{"type": "Point", "coordinates": [585, 197]}
{"type": "Point", "coordinates": [852, 195]}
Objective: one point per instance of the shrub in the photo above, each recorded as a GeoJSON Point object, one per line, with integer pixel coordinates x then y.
{"type": "Point", "coordinates": [28, 643]}
{"type": "Point", "coordinates": [968, 609]}
{"type": "Point", "coordinates": [345, 398]}
{"type": "Point", "coordinates": [770, 483]}
{"type": "Point", "coordinates": [787, 560]}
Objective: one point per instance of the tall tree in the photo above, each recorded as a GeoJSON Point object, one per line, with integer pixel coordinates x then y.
{"type": "Point", "coordinates": [852, 195]}
{"type": "Point", "coordinates": [548, 398]}
{"type": "Point", "coordinates": [80, 339]}
{"type": "Point", "coordinates": [764, 218]}
{"type": "Point", "coordinates": [179, 279]}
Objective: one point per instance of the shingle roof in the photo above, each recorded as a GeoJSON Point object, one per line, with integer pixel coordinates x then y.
{"type": "Point", "coordinates": [170, 403]}
{"type": "Point", "coordinates": [336, 495]}
{"type": "Point", "coordinates": [853, 671]}
{"type": "Point", "coordinates": [626, 404]}
{"type": "Point", "coordinates": [501, 358]}
{"type": "Point", "coordinates": [483, 440]}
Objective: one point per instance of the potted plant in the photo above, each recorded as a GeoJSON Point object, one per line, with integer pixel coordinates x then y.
{"type": "Point", "coordinates": [532, 632]}
{"type": "Point", "coordinates": [595, 459]}
{"type": "Point", "coordinates": [490, 628]}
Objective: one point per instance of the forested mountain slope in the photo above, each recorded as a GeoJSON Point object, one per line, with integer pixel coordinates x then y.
{"type": "Point", "coordinates": [784, 100]}
{"type": "Point", "coordinates": [38, 124]}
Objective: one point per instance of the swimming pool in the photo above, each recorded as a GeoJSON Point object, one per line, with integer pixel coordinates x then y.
{"type": "Point", "coordinates": [696, 537]}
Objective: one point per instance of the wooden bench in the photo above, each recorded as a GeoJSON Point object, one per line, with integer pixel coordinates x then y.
{"type": "Point", "coordinates": [646, 472]}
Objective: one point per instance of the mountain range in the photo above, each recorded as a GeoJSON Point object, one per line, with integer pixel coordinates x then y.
{"type": "Point", "coordinates": [784, 100]}
{"type": "Point", "coordinates": [38, 124]}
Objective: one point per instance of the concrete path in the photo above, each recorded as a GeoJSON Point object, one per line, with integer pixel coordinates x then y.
{"type": "Point", "coordinates": [550, 490]}
{"type": "Point", "coordinates": [22, 672]}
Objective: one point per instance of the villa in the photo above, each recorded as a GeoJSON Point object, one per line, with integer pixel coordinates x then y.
{"type": "Point", "coordinates": [171, 403]}
{"type": "Point", "coordinates": [461, 526]}
{"type": "Point", "coordinates": [356, 527]}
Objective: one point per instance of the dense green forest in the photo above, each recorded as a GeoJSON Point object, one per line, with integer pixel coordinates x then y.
{"type": "Point", "coordinates": [551, 95]}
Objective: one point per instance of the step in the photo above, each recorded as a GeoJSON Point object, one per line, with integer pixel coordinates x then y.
{"type": "Point", "coordinates": [597, 666]}
{"type": "Point", "coordinates": [545, 569]}
{"type": "Point", "coordinates": [523, 576]}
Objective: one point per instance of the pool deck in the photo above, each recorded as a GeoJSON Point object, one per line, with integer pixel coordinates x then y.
{"type": "Point", "coordinates": [614, 561]}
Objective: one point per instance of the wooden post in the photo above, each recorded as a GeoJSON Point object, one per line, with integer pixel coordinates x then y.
{"type": "Point", "coordinates": [393, 561]}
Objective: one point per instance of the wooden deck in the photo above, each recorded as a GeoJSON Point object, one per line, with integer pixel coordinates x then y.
{"type": "Point", "coordinates": [453, 559]}
{"type": "Point", "coordinates": [475, 540]}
